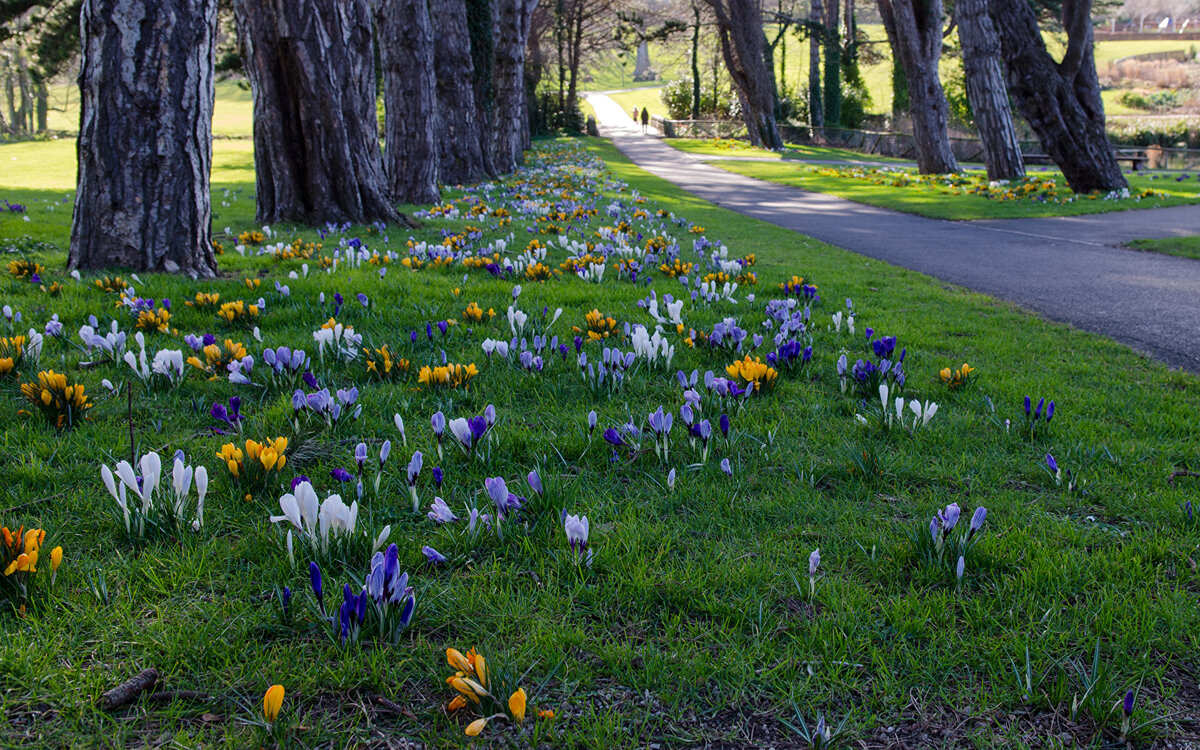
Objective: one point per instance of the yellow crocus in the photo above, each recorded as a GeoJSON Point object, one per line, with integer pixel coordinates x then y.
{"type": "Point", "coordinates": [475, 727]}
{"type": "Point", "coordinates": [458, 661]}
{"type": "Point", "coordinates": [272, 702]}
{"type": "Point", "coordinates": [516, 705]}
{"type": "Point", "coordinates": [481, 670]}
{"type": "Point", "coordinates": [56, 555]}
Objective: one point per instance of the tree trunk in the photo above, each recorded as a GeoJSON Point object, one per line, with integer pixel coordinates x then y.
{"type": "Point", "coordinates": [1060, 101]}
{"type": "Point", "coordinates": [483, 44]}
{"type": "Point", "coordinates": [145, 136]}
{"type": "Point", "coordinates": [316, 137]}
{"type": "Point", "coordinates": [816, 35]}
{"type": "Point", "coordinates": [409, 99]}
{"type": "Point", "coordinates": [695, 61]}
{"type": "Point", "coordinates": [986, 91]}
{"type": "Point", "coordinates": [459, 138]}
{"type": "Point", "coordinates": [43, 106]}
{"type": "Point", "coordinates": [833, 64]}
{"type": "Point", "coordinates": [511, 27]}
{"type": "Point", "coordinates": [914, 29]}
{"type": "Point", "coordinates": [739, 25]}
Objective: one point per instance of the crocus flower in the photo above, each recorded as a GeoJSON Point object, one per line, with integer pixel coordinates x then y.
{"type": "Point", "coordinates": [1127, 704]}
{"type": "Point", "coordinates": [962, 564]}
{"type": "Point", "coordinates": [360, 456]}
{"type": "Point", "coordinates": [341, 475]}
{"type": "Point", "coordinates": [439, 512]}
{"type": "Point", "coordinates": [414, 471]}
{"type": "Point", "coordinates": [272, 703]}
{"type": "Point", "coordinates": [671, 480]}
{"type": "Point", "coordinates": [535, 482]}
{"type": "Point", "coordinates": [978, 518]}
{"type": "Point", "coordinates": [314, 578]}
{"type": "Point", "coordinates": [613, 437]}
{"type": "Point", "coordinates": [591, 418]}
{"type": "Point", "coordinates": [949, 516]}
{"type": "Point", "coordinates": [576, 528]}
{"type": "Point", "coordinates": [433, 556]}
{"type": "Point", "coordinates": [724, 424]}
{"type": "Point", "coordinates": [725, 467]}
{"type": "Point", "coordinates": [438, 475]}
{"type": "Point", "coordinates": [814, 560]}
{"type": "Point", "coordinates": [438, 421]}
{"type": "Point", "coordinates": [399, 422]}
{"type": "Point", "coordinates": [1050, 462]}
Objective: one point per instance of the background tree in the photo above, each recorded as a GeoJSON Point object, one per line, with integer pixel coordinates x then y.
{"type": "Point", "coordinates": [510, 126]}
{"type": "Point", "coordinates": [459, 137]}
{"type": "Point", "coordinates": [740, 29]}
{"type": "Point", "coordinates": [914, 31]}
{"type": "Point", "coordinates": [316, 137]}
{"type": "Point", "coordinates": [816, 38]}
{"type": "Point", "coordinates": [1060, 100]}
{"type": "Point", "coordinates": [410, 101]}
{"type": "Point", "coordinates": [145, 137]}
{"type": "Point", "coordinates": [984, 72]}
{"type": "Point", "coordinates": [833, 64]}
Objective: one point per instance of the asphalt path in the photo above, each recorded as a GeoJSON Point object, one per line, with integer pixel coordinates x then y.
{"type": "Point", "coordinates": [1069, 269]}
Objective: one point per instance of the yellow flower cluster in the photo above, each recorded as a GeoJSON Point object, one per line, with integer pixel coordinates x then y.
{"type": "Point", "coordinates": [204, 300]}
{"type": "Point", "coordinates": [150, 321]}
{"type": "Point", "coordinates": [575, 265]}
{"type": "Point", "coordinates": [12, 348]}
{"type": "Point", "coordinates": [475, 684]}
{"type": "Point", "coordinates": [252, 284]}
{"type": "Point", "coordinates": [237, 312]}
{"type": "Point", "coordinates": [60, 402]}
{"type": "Point", "coordinates": [53, 290]}
{"type": "Point", "coordinates": [957, 378]}
{"type": "Point", "coordinates": [298, 249]}
{"type": "Point", "coordinates": [251, 238]}
{"type": "Point", "coordinates": [24, 269]}
{"type": "Point", "coordinates": [657, 244]}
{"type": "Point", "coordinates": [697, 229]}
{"type": "Point", "coordinates": [718, 276]}
{"type": "Point", "coordinates": [412, 263]}
{"type": "Point", "coordinates": [480, 261]}
{"type": "Point", "coordinates": [793, 285]}
{"type": "Point", "coordinates": [114, 285]}
{"type": "Point", "coordinates": [381, 364]}
{"type": "Point", "coordinates": [258, 460]}
{"type": "Point", "coordinates": [379, 260]}
{"type": "Point", "coordinates": [217, 358]}
{"type": "Point", "coordinates": [676, 268]}
{"type": "Point", "coordinates": [538, 271]}
{"type": "Point", "coordinates": [19, 557]}
{"type": "Point", "coordinates": [474, 313]}
{"type": "Point", "coordinates": [447, 376]}
{"type": "Point", "coordinates": [753, 370]}
{"type": "Point", "coordinates": [598, 326]}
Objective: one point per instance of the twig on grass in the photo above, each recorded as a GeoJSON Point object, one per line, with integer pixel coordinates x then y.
{"type": "Point", "coordinates": [129, 690]}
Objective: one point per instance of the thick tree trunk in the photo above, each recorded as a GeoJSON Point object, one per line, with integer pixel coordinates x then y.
{"type": "Point", "coordinates": [145, 136]}
{"type": "Point", "coordinates": [739, 25]}
{"type": "Point", "coordinates": [914, 29]}
{"type": "Point", "coordinates": [483, 44]}
{"type": "Point", "coordinates": [816, 35]}
{"type": "Point", "coordinates": [833, 64]}
{"type": "Point", "coordinates": [695, 61]}
{"type": "Point", "coordinates": [510, 29]}
{"type": "Point", "coordinates": [986, 91]}
{"type": "Point", "coordinates": [1060, 101]}
{"type": "Point", "coordinates": [460, 140]}
{"type": "Point", "coordinates": [409, 99]}
{"type": "Point", "coordinates": [316, 137]}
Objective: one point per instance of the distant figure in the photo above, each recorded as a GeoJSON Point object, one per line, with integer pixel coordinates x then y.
{"type": "Point", "coordinates": [635, 115]}
{"type": "Point", "coordinates": [645, 119]}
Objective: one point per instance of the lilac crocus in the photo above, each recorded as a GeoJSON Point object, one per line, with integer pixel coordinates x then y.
{"type": "Point", "coordinates": [439, 512]}
{"type": "Point", "coordinates": [725, 467]}
{"type": "Point", "coordinates": [360, 456]}
{"type": "Point", "coordinates": [1052, 464]}
{"type": "Point", "coordinates": [591, 419]}
{"type": "Point", "coordinates": [433, 556]}
{"type": "Point", "coordinates": [613, 437]}
{"type": "Point", "coordinates": [438, 475]}
{"type": "Point", "coordinates": [978, 518]}
{"type": "Point", "coordinates": [814, 561]}
{"type": "Point", "coordinates": [314, 579]}
{"type": "Point", "coordinates": [962, 564]}
{"type": "Point", "coordinates": [535, 482]}
{"type": "Point", "coordinates": [341, 475]}
{"type": "Point", "coordinates": [414, 471]}
{"type": "Point", "coordinates": [950, 516]}
{"type": "Point", "coordinates": [438, 422]}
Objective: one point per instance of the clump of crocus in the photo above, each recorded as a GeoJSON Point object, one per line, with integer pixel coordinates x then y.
{"type": "Point", "coordinates": [238, 313]}
{"type": "Point", "coordinates": [326, 530]}
{"type": "Point", "coordinates": [946, 543]}
{"type": "Point", "coordinates": [475, 314]}
{"type": "Point", "coordinates": [139, 513]}
{"type": "Point", "coordinates": [491, 688]}
{"type": "Point", "coordinates": [24, 269]}
{"type": "Point", "coordinates": [383, 608]}
{"type": "Point", "coordinates": [447, 376]}
{"type": "Point", "coordinates": [63, 404]}
{"type": "Point", "coordinates": [259, 466]}
{"type": "Point", "coordinates": [1061, 476]}
{"type": "Point", "coordinates": [383, 365]}
{"type": "Point", "coordinates": [16, 351]}
{"type": "Point", "coordinates": [1037, 419]}
{"type": "Point", "coordinates": [598, 327]}
{"type": "Point", "coordinates": [155, 320]}
{"type": "Point", "coordinates": [19, 558]}
{"type": "Point", "coordinates": [958, 378]}
{"type": "Point", "coordinates": [111, 285]}
{"type": "Point", "coordinates": [217, 358]}
{"type": "Point", "coordinates": [754, 372]}
{"type": "Point", "coordinates": [205, 301]}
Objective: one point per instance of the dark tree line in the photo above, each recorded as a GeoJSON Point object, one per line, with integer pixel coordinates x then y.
{"type": "Point", "coordinates": [454, 111]}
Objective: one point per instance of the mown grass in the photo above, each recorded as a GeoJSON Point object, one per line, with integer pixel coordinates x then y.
{"type": "Point", "coordinates": [734, 147]}
{"type": "Point", "coordinates": [941, 201]}
{"type": "Point", "coordinates": [1184, 247]}
{"type": "Point", "coordinates": [694, 625]}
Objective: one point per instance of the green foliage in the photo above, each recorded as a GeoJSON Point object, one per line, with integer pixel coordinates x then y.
{"type": "Point", "coordinates": [677, 96]}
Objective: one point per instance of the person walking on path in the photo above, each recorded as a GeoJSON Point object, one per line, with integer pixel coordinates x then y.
{"type": "Point", "coordinates": [635, 115]}
{"type": "Point", "coordinates": [645, 119]}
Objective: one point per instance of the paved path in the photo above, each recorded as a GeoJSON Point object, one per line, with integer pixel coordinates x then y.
{"type": "Point", "coordinates": [1069, 269]}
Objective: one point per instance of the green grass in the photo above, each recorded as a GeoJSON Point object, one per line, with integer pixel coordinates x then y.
{"type": "Point", "coordinates": [733, 147]}
{"type": "Point", "coordinates": [642, 99]}
{"type": "Point", "coordinates": [1184, 247]}
{"type": "Point", "coordinates": [694, 625]}
{"type": "Point", "coordinates": [928, 198]}
{"type": "Point", "coordinates": [232, 109]}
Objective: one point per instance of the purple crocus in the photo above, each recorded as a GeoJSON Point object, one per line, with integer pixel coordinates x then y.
{"type": "Point", "coordinates": [724, 424]}
{"type": "Point", "coordinates": [725, 467]}
{"type": "Point", "coordinates": [297, 481]}
{"type": "Point", "coordinates": [341, 475]}
{"type": "Point", "coordinates": [1052, 464]}
{"type": "Point", "coordinates": [314, 579]}
{"type": "Point", "coordinates": [360, 456]}
{"type": "Point", "coordinates": [438, 475]}
{"type": "Point", "coordinates": [535, 482]}
{"type": "Point", "coordinates": [978, 518]}
{"type": "Point", "coordinates": [613, 437]}
{"type": "Point", "coordinates": [949, 517]}
{"type": "Point", "coordinates": [433, 556]}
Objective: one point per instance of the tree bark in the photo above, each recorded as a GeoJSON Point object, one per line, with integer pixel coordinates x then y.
{"type": "Point", "coordinates": [986, 91]}
{"type": "Point", "coordinates": [510, 29]}
{"type": "Point", "coordinates": [833, 64]}
{"type": "Point", "coordinates": [145, 137]}
{"type": "Point", "coordinates": [483, 43]}
{"type": "Point", "coordinates": [695, 60]}
{"type": "Point", "coordinates": [316, 137]}
{"type": "Point", "coordinates": [914, 29]}
{"type": "Point", "coordinates": [816, 35]}
{"type": "Point", "coordinates": [460, 141]}
{"type": "Point", "coordinates": [739, 26]}
{"type": "Point", "coordinates": [1060, 101]}
{"type": "Point", "coordinates": [410, 99]}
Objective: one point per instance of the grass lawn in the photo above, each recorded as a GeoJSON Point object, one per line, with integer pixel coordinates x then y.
{"type": "Point", "coordinates": [642, 99]}
{"type": "Point", "coordinates": [734, 147]}
{"type": "Point", "coordinates": [696, 623]}
{"type": "Point", "coordinates": [1184, 247]}
{"type": "Point", "coordinates": [1043, 194]}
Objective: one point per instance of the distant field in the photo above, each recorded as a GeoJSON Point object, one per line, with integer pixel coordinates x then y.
{"type": "Point", "coordinates": [232, 112]}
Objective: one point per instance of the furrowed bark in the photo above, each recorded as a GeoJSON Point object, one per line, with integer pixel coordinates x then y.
{"type": "Point", "coordinates": [410, 100]}
{"type": "Point", "coordinates": [145, 137]}
{"type": "Point", "coordinates": [460, 141]}
{"type": "Point", "coordinates": [739, 27]}
{"type": "Point", "coordinates": [986, 91]}
{"type": "Point", "coordinates": [316, 137]}
{"type": "Point", "coordinates": [509, 114]}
